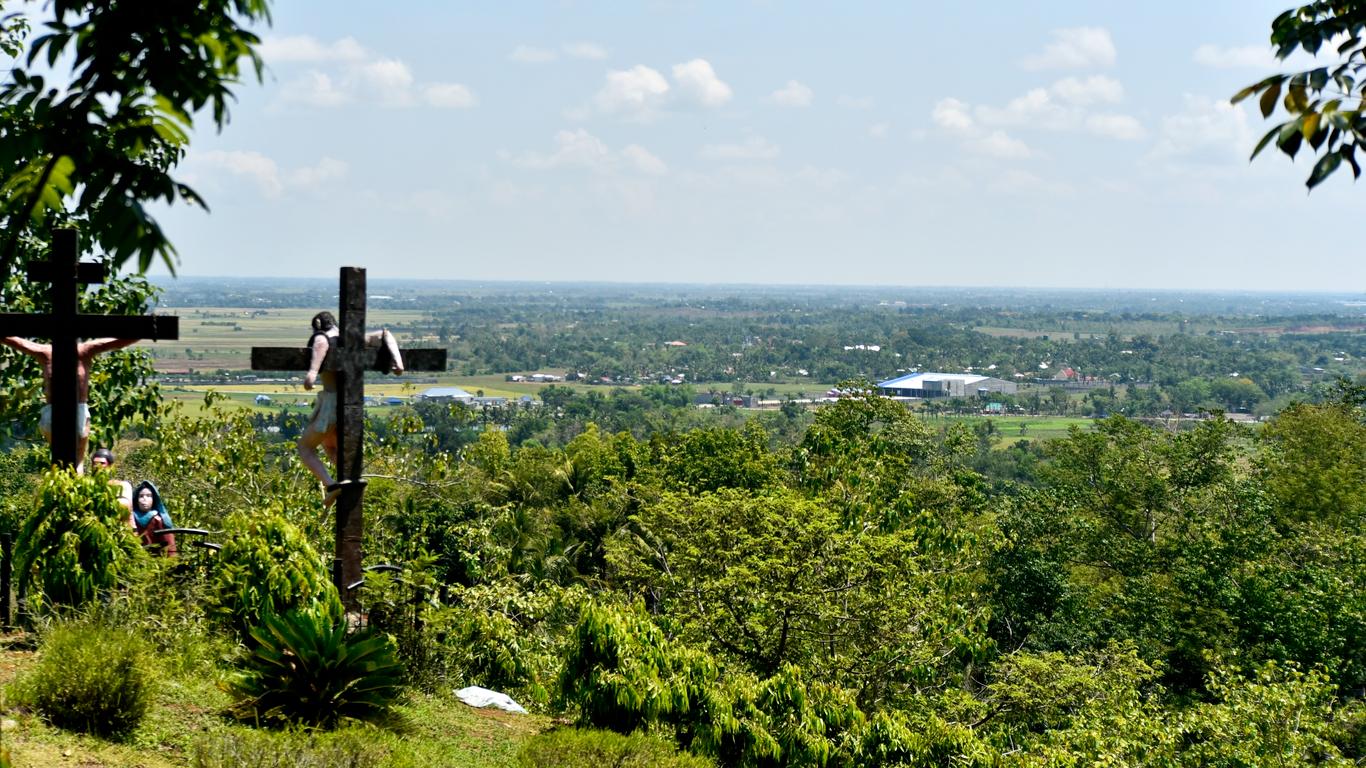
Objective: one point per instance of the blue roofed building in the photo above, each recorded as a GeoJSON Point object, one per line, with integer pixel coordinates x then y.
{"type": "Point", "coordinates": [447, 393]}
{"type": "Point", "coordinates": [930, 385]}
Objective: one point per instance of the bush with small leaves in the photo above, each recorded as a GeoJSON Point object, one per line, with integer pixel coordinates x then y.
{"type": "Point", "coordinates": [89, 678]}
{"type": "Point", "coordinates": [75, 542]}
{"type": "Point", "coordinates": [267, 567]}
{"type": "Point", "coordinates": [307, 669]}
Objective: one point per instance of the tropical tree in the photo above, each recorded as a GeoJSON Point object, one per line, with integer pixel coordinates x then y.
{"type": "Point", "coordinates": [92, 146]}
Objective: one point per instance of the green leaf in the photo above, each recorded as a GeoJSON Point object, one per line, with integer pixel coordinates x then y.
{"type": "Point", "coordinates": [1246, 92]}
{"type": "Point", "coordinates": [1311, 126]}
{"type": "Point", "coordinates": [1268, 101]}
{"type": "Point", "coordinates": [1290, 138]}
{"type": "Point", "coordinates": [1348, 152]}
{"type": "Point", "coordinates": [1297, 99]}
{"type": "Point", "coordinates": [1323, 169]}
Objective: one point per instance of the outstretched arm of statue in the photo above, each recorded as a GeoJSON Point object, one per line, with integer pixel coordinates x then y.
{"type": "Point", "coordinates": [32, 348]}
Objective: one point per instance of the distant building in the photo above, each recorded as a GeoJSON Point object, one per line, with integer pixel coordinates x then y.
{"type": "Point", "coordinates": [447, 393]}
{"type": "Point", "coordinates": [929, 385]}
{"type": "Point", "coordinates": [726, 398]}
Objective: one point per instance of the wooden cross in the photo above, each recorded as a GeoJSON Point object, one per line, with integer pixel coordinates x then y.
{"type": "Point", "coordinates": [349, 358]}
{"type": "Point", "coordinates": [65, 327]}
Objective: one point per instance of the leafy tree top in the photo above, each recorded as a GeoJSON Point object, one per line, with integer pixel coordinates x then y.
{"type": "Point", "coordinates": [1324, 104]}
{"type": "Point", "coordinates": [108, 134]}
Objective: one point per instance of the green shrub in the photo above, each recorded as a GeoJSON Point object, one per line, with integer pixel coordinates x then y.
{"type": "Point", "coordinates": [288, 749]}
{"type": "Point", "coordinates": [164, 605]}
{"type": "Point", "coordinates": [510, 636]}
{"type": "Point", "coordinates": [306, 669]}
{"type": "Point", "coordinates": [587, 748]}
{"type": "Point", "coordinates": [623, 674]}
{"type": "Point", "coordinates": [89, 678]}
{"type": "Point", "coordinates": [76, 541]}
{"type": "Point", "coordinates": [267, 567]}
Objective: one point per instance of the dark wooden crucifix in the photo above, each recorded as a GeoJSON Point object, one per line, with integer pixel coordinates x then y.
{"type": "Point", "coordinates": [350, 358]}
{"type": "Point", "coordinates": [65, 326]}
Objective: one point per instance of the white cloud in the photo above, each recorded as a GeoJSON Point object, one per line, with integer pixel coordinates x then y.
{"type": "Point", "coordinates": [1207, 132]}
{"type": "Point", "coordinates": [794, 94]}
{"type": "Point", "coordinates": [389, 80]}
{"type": "Point", "coordinates": [640, 158]}
{"type": "Point", "coordinates": [952, 115]}
{"type": "Point", "coordinates": [1057, 107]}
{"type": "Point", "coordinates": [879, 130]}
{"type": "Point", "coordinates": [265, 173]}
{"type": "Point", "coordinates": [1093, 90]}
{"type": "Point", "coordinates": [251, 165]}
{"type": "Point", "coordinates": [1236, 57]}
{"type": "Point", "coordinates": [638, 90]}
{"type": "Point", "coordinates": [450, 95]}
{"type": "Point", "coordinates": [584, 50]}
{"type": "Point", "coordinates": [315, 89]}
{"type": "Point", "coordinates": [1036, 108]}
{"type": "Point", "coordinates": [346, 73]}
{"type": "Point", "coordinates": [698, 80]}
{"type": "Point", "coordinates": [1000, 144]}
{"type": "Point", "coordinates": [304, 48]}
{"type": "Point", "coordinates": [577, 148]}
{"type": "Point", "coordinates": [754, 148]}
{"type": "Point", "coordinates": [581, 149]}
{"type": "Point", "coordinates": [1075, 48]}
{"type": "Point", "coordinates": [528, 54]}
{"type": "Point", "coordinates": [1262, 57]}
{"type": "Point", "coordinates": [1062, 106]}
{"type": "Point", "coordinates": [1115, 126]}
{"type": "Point", "coordinates": [327, 169]}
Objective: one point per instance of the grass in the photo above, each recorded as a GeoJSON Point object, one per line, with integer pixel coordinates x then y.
{"type": "Point", "coordinates": [1009, 427]}
{"type": "Point", "coordinates": [435, 730]}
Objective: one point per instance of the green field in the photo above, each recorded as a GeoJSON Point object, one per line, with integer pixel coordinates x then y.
{"type": "Point", "coordinates": [214, 338]}
{"type": "Point", "coordinates": [1013, 429]}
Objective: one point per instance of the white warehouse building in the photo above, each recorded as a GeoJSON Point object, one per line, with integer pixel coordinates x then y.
{"type": "Point", "coordinates": [929, 385]}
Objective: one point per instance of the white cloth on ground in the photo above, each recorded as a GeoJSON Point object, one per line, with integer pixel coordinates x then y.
{"type": "Point", "coordinates": [483, 697]}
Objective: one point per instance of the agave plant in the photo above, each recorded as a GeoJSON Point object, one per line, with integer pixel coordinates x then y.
{"type": "Point", "coordinates": [307, 669]}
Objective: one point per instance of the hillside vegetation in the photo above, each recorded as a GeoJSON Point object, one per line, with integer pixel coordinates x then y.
{"type": "Point", "coordinates": [872, 590]}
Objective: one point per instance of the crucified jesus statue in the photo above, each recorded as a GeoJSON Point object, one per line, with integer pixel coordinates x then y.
{"type": "Point", "coordinates": [86, 352]}
{"type": "Point", "coordinates": [322, 424]}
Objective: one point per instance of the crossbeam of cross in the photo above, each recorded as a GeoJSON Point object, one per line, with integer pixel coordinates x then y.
{"type": "Point", "coordinates": [350, 359]}
{"type": "Point", "coordinates": [65, 326]}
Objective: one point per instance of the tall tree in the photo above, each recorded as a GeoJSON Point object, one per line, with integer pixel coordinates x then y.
{"type": "Point", "coordinates": [92, 146]}
{"type": "Point", "coordinates": [113, 127]}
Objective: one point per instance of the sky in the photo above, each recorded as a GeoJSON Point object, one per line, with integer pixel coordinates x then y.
{"type": "Point", "coordinates": [1084, 143]}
